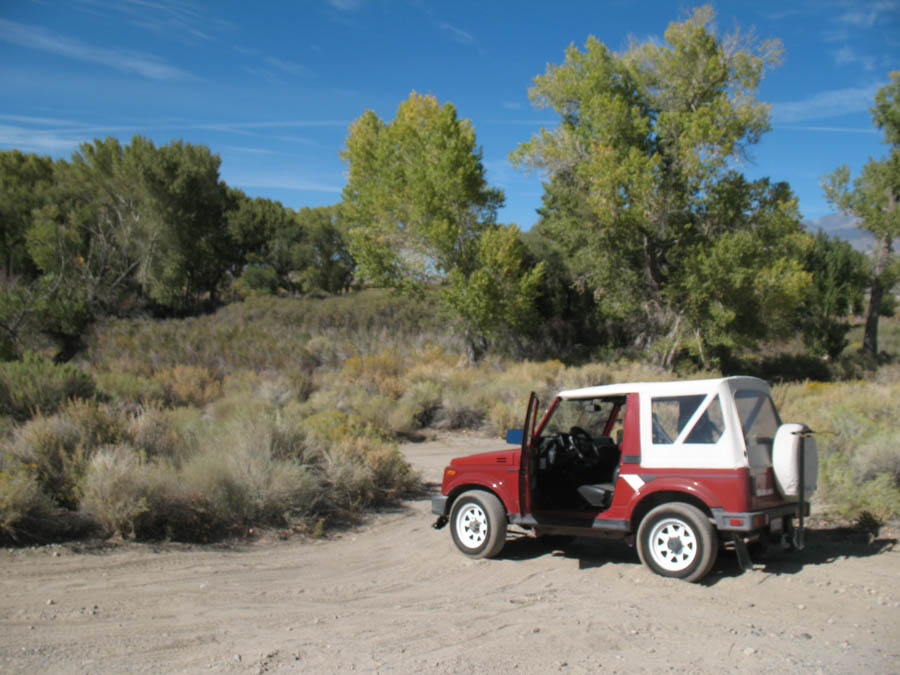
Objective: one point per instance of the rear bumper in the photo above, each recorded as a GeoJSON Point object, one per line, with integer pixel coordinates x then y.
{"type": "Point", "coordinates": [755, 520]}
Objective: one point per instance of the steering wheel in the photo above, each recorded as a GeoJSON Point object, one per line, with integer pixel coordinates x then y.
{"type": "Point", "coordinates": [575, 434]}
{"type": "Point", "coordinates": [578, 431]}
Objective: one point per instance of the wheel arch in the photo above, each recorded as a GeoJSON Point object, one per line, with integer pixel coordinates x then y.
{"type": "Point", "coordinates": [466, 487]}
{"type": "Point", "coordinates": [655, 499]}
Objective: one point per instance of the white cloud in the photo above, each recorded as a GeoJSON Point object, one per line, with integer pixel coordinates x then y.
{"type": "Point", "coordinates": [830, 130]}
{"type": "Point", "coordinates": [825, 104]}
{"type": "Point", "coordinates": [867, 15]}
{"type": "Point", "coordinates": [846, 56]}
{"type": "Point", "coordinates": [35, 37]}
{"type": "Point", "coordinates": [288, 67]}
{"type": "Point", "coordinates": [283, 182]}
{"type": "Point", "coordinates": [346, 5]}
{"type": "Point", "coordinates": [458, 34]}
{"type": "Point", "coordinates": [512, 105]}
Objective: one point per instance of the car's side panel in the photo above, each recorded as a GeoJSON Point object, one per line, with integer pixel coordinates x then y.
{"type": "Point", "coordinates": [504, 482]}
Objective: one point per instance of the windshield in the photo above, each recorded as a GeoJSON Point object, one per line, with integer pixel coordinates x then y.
{"type": "Point", "coordinates": [592, 415]}
{"type": "Point", "coordinates": [759, 422]}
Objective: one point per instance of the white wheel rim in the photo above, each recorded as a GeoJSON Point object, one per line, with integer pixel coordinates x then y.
{"type": "Point", "coordinates": [673, 545]}
{"type": "Point", "coordinates": [471, 525]}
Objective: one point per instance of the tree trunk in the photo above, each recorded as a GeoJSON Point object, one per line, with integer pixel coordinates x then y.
{"type": "Point", "coordinates": [882, 258]}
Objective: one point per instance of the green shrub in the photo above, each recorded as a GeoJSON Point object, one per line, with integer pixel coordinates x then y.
{"type": "Point", "coordinates": [842, 493]}
{"type": "Point", "coordinates": [60, 446]}
{"type": "Point", "coordinates": [115, 489]}
{"type": "Point", "coordinates": [158, 433]}
{"type": "Point", "coordinates": [188, 385]}
{"type": "Point", "coordinates": [123, 387]}
{"type": "Point", "coordinates": [21, 498]}
{"type": "Point", "coordinates": [37, 384]}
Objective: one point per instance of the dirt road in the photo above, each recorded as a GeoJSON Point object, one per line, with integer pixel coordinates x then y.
{"type": "Point", "coordinates": [396, 596]}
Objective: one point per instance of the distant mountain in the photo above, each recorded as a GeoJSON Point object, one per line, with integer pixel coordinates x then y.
{"type": "Point", "coordinates": [843, 227]}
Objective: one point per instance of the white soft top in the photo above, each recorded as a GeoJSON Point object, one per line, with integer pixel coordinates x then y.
{"type": "Point", "coordinates": [665, 388]}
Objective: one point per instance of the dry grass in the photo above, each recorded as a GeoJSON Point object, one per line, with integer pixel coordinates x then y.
{"type": "Point", "coordinates": [282, 412]}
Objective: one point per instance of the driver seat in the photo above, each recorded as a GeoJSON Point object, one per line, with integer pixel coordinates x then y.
{"type": "Point", "coordinates": [599, 495]}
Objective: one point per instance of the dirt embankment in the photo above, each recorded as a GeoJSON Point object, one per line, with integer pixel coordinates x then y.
{"type": "Point", "coordinates": [396, 596]}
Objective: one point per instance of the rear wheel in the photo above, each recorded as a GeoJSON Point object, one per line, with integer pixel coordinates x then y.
{"type": "Point", "coordinates": [478, 524]}
{"type": "Point", "coordinates": [677, 540]}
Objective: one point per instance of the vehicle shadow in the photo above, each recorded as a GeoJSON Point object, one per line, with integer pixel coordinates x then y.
{"type": "Point", "coordinates": [824, 545]}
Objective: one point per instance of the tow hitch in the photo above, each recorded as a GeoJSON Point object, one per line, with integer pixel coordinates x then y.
{"type": "Point", "coordinates": [440, 522]}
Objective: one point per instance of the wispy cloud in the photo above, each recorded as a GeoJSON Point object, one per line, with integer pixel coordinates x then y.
{"type": "Point", "coordinates": [846, 56]}
{"type": "Point", "coordinates": [458, 34]}
{"type": "Point", "coordinates": [169, 19]}
{"type": "Point", "coordinates": [36, 37]}
{"type": "Point", "coordinates": [830, 130]}
{"type": "Point", "coordinates": [825, 104]}
{"type": "Point", "coordinates": [264, 74]}
{"type": "Point", "coordinates": [284, 182]}
{"type": "Point", "coordinates": [346, 5]}
{"type": "Point", "coordinates": [288, 67]}
{"type": "Point", "coordinates": [39, 141]}
{"type": "Point", "coordinates": [512, 105]}
{"type": "Point", "coordinates": [868, 14]}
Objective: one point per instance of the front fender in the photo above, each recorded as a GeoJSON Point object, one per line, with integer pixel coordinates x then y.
{"type": "Point", "coordinates": [505, 486]}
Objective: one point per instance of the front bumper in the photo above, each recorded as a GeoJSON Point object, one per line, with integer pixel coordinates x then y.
{"type": "Point", "coordinates": [439, 508]}
{"type": "Point", "coordinates": [439, 505]}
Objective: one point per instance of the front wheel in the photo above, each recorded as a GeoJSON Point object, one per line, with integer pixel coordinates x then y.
{"type": "Point", "coordinates": [677, 540]}
{"type": "Point", "coordinates": [478, 524]}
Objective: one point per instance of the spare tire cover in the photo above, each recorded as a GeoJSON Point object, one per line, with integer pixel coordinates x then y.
{"type": "Point", "coordinates": [786, 461]}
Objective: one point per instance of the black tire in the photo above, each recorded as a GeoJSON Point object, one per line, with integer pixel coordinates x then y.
{"type": "Point", "coordinates": [478, 524]}
{"type": "Point", "coordinates": [677, 540]}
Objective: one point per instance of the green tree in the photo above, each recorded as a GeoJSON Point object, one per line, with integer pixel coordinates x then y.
{"type": "Point", "coordinates": [500, 292]}
{"type": "Point", "coordinates": [840, 274]}
{"type": "Point", "coordinates": [647, 142]}
{"type": "Point", "coordinates": [320, 256]}
{"type": "Point", "coordinates": [187, 246]}
{"type": "Point", "coordinates": [416, 199]}
{"type": "Point", "coordinates": [24, 180]}
{"type": "Point", "coordinates": [418, 208]}
{"type": "Point", "coordinates": [873, 201]}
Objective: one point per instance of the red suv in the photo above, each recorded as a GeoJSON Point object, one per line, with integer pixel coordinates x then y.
{"type": "Point", "coordinates": [680, 468]}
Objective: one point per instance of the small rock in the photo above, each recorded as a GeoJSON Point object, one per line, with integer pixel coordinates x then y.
{"type": "Point", "coordinates": [805, 636]}
{"type": "Point", "coordinates": [749, 651]}
{"type": "Point", "coordinates": [51, 602]}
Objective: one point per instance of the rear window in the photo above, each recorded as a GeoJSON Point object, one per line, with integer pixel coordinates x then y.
{"type": "Point", "coordinates": [759, 422]}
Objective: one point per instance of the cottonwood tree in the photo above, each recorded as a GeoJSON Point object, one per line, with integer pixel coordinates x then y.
{"type": "Point", "coordinates": [677, 248]}
{"type": "Point", "coordinates": [873, 201]}
{"type": "Point", "coordinates": [417, 206]}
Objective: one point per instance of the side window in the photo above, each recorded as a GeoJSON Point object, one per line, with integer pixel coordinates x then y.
{"type": "Point", "coordinates": [671, 414]}
{"type": "Point", "coordinates": [710, 425]}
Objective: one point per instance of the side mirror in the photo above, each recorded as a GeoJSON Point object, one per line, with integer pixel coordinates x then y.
{"type": "Point", "coordinates": [514, 436]}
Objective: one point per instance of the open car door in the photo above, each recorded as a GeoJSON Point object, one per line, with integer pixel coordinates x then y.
{"type": "Point", "coordinates": [528, 459]}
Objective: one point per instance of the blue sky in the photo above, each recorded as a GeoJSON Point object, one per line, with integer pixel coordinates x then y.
{"type": "Point", "coordinates": [272, 87]}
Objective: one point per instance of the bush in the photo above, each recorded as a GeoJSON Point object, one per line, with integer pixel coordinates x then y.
{"type": "Point", "coordinates": [115, 488]}
{"type": "Point", "coordinates": [119, 387]}
{"type": "Point", "coordinates": [858, 441]}
{"type": "Point", "coordinates": [188, 385]}
{"type": "Point", "coordinates": [60, 446]}
{"type": "Point", "coordinates": [37, 384]}
{"type": "Point", "coordinates": [21, 498]}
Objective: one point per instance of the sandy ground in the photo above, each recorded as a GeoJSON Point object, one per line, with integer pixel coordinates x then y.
{"type": "Point", "coordinates": [396, 596]}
